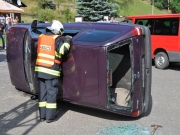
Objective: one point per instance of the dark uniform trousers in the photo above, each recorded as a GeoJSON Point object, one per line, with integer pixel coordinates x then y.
{"type": "Point", "coordinates": [48, 90]}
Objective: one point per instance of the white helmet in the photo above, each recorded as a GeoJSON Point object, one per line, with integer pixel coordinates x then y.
{"type": "Point", "coordinates": [56, 27]}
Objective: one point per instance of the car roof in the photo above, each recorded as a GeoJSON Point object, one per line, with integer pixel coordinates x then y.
{"type": "Point", "coordinates": [80, 25]}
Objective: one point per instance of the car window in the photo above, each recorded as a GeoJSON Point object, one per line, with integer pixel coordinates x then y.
{"type": "Point", "coordinates": [98, 36]}
{"type": "Point", "coordinates": [71, 32]}
{"type": "Point", "coordinates": [36, 32]}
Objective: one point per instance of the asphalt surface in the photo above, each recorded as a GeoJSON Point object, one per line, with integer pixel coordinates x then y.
{"type": "Point", "coordinates": [19, 114]}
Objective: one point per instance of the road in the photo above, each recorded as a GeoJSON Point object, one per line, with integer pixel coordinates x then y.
{"type": "Point", "coordinates": [19, 114]}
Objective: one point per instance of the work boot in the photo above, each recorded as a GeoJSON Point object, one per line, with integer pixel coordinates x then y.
{"type": "Point", "coordinates": [34, 97]}
{"type": "Point", "coordinates": [52, 120]}
{"type": "Point", "coordinates": [42, 119]}
{"type": "Point", "coordinates": [49, 121]}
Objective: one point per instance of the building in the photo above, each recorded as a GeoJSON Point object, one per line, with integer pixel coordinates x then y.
{"type": "Point", "coordinates": [17, 3]}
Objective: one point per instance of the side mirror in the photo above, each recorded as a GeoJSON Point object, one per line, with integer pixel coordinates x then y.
{"type": "Point", "coordinates": [34, 24]}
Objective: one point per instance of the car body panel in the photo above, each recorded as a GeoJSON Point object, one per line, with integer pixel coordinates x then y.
{"type": "Point", "coordinates": [85, 72]}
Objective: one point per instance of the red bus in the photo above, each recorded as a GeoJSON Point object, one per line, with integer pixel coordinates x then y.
{"type": "Point", "coordinates": [165, 36]}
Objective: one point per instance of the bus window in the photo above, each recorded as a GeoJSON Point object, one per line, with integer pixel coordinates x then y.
{"type": "Point", "coordinates": [166, 26]}
{"type": "Point", "coordinates": [147, 22]}
{"type": "Point", "coordinates": [127, 20]}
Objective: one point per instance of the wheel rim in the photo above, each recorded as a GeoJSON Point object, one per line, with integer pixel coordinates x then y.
{"type": "Point", "coordinates": [160, 60]}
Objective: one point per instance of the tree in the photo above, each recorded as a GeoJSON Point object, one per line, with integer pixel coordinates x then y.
{"type": "Point", "coordinates": [46, 10]}
{"type": "Point", "coordinates": [46, 4]}
{"type": "Point", "coordinates": [161, 4]}
{"type": "Point", "coordinates": [94, 10]}
{"type": "Point", "coordinates": [175, 6]}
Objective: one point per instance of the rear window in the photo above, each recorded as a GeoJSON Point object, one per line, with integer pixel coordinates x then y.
{"type": "Point", "coordinates": [98, 36]}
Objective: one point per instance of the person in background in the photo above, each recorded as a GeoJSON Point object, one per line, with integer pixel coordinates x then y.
{"type": "Point", "coordinates": [12, 20]}
{"type": "Point", "coordinates": [2, 19]}
{"type": "Point", "coordinates": [17, 19]}
{"type": "Point", "coordinates": [112, 19]}
{"type": "Point", "coordinates": [2, 28]}
{"type": "Point", "coordinates": [2, 34]}
{"type": "Point", "coordinates": [7, 18]}
{"type": "Point", "coordinates": [8, 22]}
{"type": "Point", "coordinates": [52, 46]}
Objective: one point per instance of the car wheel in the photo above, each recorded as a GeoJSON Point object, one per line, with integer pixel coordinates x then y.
{"type": "Point", "coordinates": [28, 64]}
{"type": "Point", "coordinates": [161, 60]}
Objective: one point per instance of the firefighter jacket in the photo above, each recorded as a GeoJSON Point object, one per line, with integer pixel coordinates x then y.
{"type": "Point", "coordinates": [50, 50]}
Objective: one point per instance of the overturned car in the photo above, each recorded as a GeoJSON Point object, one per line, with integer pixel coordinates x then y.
{"type": "Point", "coordinates": [108, 67]}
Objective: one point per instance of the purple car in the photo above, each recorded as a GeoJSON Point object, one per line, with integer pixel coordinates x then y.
{"type": "Point", "coordinates": [108, 67]}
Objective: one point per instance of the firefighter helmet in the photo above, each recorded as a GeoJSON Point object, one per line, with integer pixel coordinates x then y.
{"type": "Point", "coordinates": [56, 27]}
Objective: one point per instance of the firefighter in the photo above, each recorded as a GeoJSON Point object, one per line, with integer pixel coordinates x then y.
{"type": "Point", "coordinates": [52, 46]}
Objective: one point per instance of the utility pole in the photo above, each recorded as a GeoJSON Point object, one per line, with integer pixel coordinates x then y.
{"type": "Point", "coordinates": [152, 6]}
{"type": "Point", "coordinates": [168, 6]}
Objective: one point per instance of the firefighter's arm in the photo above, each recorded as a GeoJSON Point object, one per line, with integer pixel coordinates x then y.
{"type": "Point", "coordinates": [65, 47]}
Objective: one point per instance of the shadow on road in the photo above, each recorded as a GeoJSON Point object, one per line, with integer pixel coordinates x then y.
{"type": "Point", "coordinates": [2, 56]}
{"type": "Point", "coordinates": [65, 106]}
{"type": "Point", "coordinates": [174, 66]}
{"type": "Point", "coordinates": [17, 117]}
{"type": "Point", "coordinates": [20, 115]}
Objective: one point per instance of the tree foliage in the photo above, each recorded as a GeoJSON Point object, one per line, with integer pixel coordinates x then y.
{"type": "Point", "coordinates": [173, 5]}
{"type": "Point", "coordinates": [94, 10]}
{"type": "Point", "coordinates": [161, 4]}
{"type": "Point", "coordinates": [46, 4]}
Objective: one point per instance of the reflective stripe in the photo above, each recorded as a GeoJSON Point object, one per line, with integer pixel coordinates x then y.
{"type": "Point", "coordinates": [45, 61]}
{"type": "Point", "coordinates": [51, 105]}
{"type": "Point", "coordinates": [42, 104]}
{"type": "Point", "coordinates": [61, 51]}
{"type": "Point", "coordinates": [57, 55]}
{"type": "Point", "coordinates": [57, 61]}
{"type": "Point", "coordinates": [46, 55]}
{"type": "Point", "coordinates": [47, 71]}
{"type": "Point", "coordinates": [66, 45]}
{"type": "Point", "coordinates": [40, 35]}
{"type": "Point", "coordinates": [54, 37]}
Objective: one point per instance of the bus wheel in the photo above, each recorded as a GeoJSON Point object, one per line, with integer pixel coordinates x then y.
{"type": "Point", "coordinates": [161, 60]}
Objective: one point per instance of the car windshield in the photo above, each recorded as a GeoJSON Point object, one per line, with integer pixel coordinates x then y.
{"type": "Point", "coordinates": [98, 36]}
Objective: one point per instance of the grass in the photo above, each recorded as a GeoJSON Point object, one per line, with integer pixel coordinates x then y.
{"type": "Point", "coordinates": [32, 9]}
{"type": "Point", "coordinates": [139, 7]}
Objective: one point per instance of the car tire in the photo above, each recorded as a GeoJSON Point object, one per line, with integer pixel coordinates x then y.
{"type": "Point", "coordinates": [161, 60]}
{"type": "Point", "coordinates": [29, 64]}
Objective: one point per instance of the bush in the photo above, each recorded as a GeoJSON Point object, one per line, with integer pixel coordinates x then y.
{"type": "Point", "coordinates": [47, 15]}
